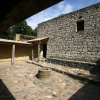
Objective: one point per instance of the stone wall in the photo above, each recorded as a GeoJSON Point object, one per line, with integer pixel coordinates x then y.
{"type": "Point", "coordinates": [69, 44]}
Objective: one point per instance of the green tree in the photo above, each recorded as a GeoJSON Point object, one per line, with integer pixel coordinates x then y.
{"type": "Point", "coordinates": [35, 32]}
{"type": "Point", "coordinates": [23, 28]}
{"type": "Point", "coordinates": [20, 28]}
{"type": "Point", "coordinates": [8, 34]}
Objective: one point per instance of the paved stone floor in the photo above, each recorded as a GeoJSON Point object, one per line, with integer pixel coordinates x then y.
{"type": "Point", "coordinates": [18, 82]}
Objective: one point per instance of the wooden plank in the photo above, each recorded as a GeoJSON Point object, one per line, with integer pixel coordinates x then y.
{"type": "Point", "coordinates": [14, 42]}
{"type": "Point", "coordinates": [13, 54]}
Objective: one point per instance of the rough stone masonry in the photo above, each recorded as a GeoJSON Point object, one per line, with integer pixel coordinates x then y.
{"type": "Point", "coordinates": [74, 37]}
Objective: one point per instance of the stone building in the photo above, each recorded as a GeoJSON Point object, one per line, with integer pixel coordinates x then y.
{"type": "Point", "coordinates": [74, 38]}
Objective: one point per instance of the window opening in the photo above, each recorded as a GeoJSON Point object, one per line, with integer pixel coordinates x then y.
{"type": "Point", "coordinates": [80, 25]}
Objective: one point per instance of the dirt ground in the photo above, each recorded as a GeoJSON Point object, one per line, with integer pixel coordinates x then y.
{"type": "Point", "coordinates": [19, 82]}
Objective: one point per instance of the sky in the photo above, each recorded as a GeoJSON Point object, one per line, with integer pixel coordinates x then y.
{"type": "Point", "coordinates": [64, 7]}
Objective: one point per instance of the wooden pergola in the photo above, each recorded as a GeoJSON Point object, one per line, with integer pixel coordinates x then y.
{"type": "Point", "coordinates": [13, 43]}
{"type": "Point", "coordinates": [38, 41]}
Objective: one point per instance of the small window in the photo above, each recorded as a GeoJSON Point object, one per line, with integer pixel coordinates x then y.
{"type": "Point", "coordinates": [80, 25]}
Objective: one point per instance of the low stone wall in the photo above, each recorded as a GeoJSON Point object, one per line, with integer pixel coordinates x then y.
{"type": "Point", "coordinates": [72, 63]}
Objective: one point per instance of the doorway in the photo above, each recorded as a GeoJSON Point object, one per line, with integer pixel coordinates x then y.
{"type": "Point", "coordinates": [44, 50]}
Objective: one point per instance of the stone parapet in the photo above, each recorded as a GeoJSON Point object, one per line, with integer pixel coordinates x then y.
{"type": "Point", "coordinates": [72, 63]}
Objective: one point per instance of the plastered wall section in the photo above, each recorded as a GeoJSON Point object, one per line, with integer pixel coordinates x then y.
{"type": "Point", "coordinates": [22, 52]}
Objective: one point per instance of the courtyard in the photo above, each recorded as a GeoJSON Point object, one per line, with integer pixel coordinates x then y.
{"type": "Point", "coordinates": [19, 82]}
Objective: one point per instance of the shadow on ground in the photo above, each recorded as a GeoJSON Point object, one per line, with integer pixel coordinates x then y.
{"type": "Point", "coordinates": [91, 88]}
{"type": "Point", "coordinates": [4, 92]}
{"type": "Point", "coordinates": [96, 69]}
{"type": "Point", "coordinates": [87, 92]}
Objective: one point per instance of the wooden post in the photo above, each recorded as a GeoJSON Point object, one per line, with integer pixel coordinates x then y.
{"type": "Point", "coordinates": [13, 54]}
{"type": "Point", "coordinates": [39, 51]}
{"type": "Point", "coordinates": [32, 53]}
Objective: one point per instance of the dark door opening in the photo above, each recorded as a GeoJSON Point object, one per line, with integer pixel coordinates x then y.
{"type": "Point", "coordinates": [80, 25]}
{"type": "Point", "coordinates": [44, 50]}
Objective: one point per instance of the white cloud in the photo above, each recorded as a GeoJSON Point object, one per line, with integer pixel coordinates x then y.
{"type": "Point", "coordinates": [68, 8]}
{"type": "Point", "coordinates": [64, 7]}
{"type": "Point", "coordinates": [49, 13]}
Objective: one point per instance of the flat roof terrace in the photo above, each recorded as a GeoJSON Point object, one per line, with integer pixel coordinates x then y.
{"type": "Point", "coordinates": [18, 82]}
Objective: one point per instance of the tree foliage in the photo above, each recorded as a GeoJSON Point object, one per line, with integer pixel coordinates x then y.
{"type": "Point", "coordinates": [20, 28]}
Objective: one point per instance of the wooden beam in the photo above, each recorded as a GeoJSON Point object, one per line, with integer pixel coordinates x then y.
{"type": "Point", "coordinates": [39, 44]}
{"type": "Point", "coordinates": [32, 53]}
{"type": "Point", "coordinates": [13, 54]}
